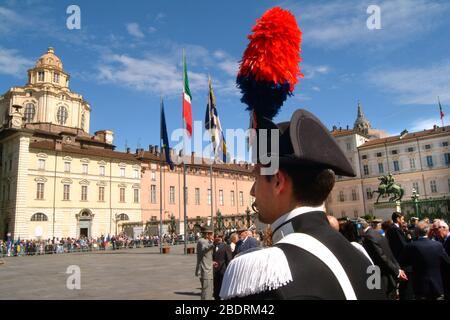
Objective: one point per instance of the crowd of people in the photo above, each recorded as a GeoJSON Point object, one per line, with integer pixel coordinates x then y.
{"type": "Point", "coordinates": [413, 258]}
{"type": "Point", "coordinates": [26, 247]}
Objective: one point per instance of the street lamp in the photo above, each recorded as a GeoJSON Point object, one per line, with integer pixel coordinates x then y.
{"type": "Point", "coordinates": [415, 199]}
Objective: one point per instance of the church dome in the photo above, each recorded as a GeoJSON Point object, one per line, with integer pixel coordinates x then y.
{"type": "Point", "coordinates": [49, 59]}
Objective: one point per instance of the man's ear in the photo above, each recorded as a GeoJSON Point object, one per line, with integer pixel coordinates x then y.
{"type": "Point", "coordinates": [281, 181]}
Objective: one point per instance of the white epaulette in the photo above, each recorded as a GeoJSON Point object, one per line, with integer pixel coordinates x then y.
{"type": "Point", "coordinates": [255, 272]}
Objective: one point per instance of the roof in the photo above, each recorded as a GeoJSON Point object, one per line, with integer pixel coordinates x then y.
{"type": "Point", "coordinates": [95, 152]}
{"type": "Point", "coordinates": [406, 137]}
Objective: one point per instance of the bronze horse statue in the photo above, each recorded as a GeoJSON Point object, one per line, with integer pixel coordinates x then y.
{"type": "Point", "coordinates": [388, 187]}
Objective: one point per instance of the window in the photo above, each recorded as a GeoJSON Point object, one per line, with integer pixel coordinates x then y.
{"type": "Point", "coordinates": [394, 151]}
{"type": "Point", "coordinates": [122, 195]}
{"type": "Point", "coordinates": [186, 193]}
{"type": "Point", "coordinates": [153, 175]}
{"type": "Point", "coordinates": [136, 195]}
{"type": "Point", "coordinates": [341, 196]}
{"type": "Point", "coordinates": [445, 144]}
{"type": "Point", "coordinates": [82, 121]}
{"type": "Point", "coordinates": [136, 173]}
{"type": "Point", "coordinates": [85, 168]}
{"type": "Point", "coordinates": [366, 170]}
{"type": "Point", "coordinates": [197, 196]}
{"type": "Point", "coordinates": [221, 197]}
{"type": "Point", "coordinates": [412, 163]}
{"type": "Point", "coordinates": [241, 198]}
{"type": "Point", "coordinates": [396, 166]}
{"type": "Point", "coordinates": [40, 191]}
{"type": "Point", "coordinates": [364, 157]}
{"type": "Point", "coordinates": [369, 193]}
{"type": "Point", "coordinates": [62, 115]}
{"type": "Point", "coordinates": [172, 195]}
{"type": "Point", "coordinates": [354, 195]}
{"type": "Point", "coordinates": [380, 168]}
{"type": "Point", "coordinates": [56, 77]}
{"type": "Point", "coordinates": [39, 217]}
{"type": "Point", "coordinates": [410, 149]}
{"type": "Point", "coordinates": [416, 187]}
{"type": "Point", "coordinates": [153, 193]}
{"type": "Point", "coordinates": [209, 196]}
{"type": "Point", "coordinates": [66, 195]}
{"type": "Point", "coordinates": [101, 193]}
{"type": "Point", "coordinates": [102, 170]}
{"type": "Point", "coordinates": [84, 191]}
{"type": "Point", "coordinates": [8, 192]}
{"type": "Point", "coordinates": [122, 172]}
{"type": "Point", "coordinates": [41, 164]}
{"type": "Point", "coordinates": [232, 198]}
{"type": "Point", "coordinates": [433, 186]}
{"type": "Point", "coordinates": [66, 166]}
{"type": "Point", "coordinates": [447, 159]}
{"type": "Point", "coordinates": [429, 161]}
{"type": "Point", "coordinates": [427, 146]}
{"type": "Point", "coordinates": [379, 154]}
{"type": "Point", "coordinates": [349, 146]}
{"type": "Point", "coordinates": [30, 112]}
{"type": "Point", "coordinates": [41, 76]}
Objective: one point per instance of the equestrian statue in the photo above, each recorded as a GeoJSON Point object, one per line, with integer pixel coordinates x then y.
{"type": "Point", "coordinates": [388, 187]}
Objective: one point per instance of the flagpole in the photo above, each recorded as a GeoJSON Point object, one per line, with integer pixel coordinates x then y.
{"type": "Point", "coordinates": [184, 163]}
{"type": "Point", "coordinates": [212, 151]}
{"type": "Point", "coordinates": [440, 112]}
{"type": "Point", "coordinates": [160, 178]}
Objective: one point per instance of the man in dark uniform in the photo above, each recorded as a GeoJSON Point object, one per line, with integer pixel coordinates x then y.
{"type": "Point", "coordinates": [309, 259]}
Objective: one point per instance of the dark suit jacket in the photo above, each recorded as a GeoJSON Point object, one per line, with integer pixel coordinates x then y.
{"type": "Point", "coordinates": [312, 279]}
{"type": "Point", "coordinates": [222, 255]}
{"type": "Point", "coordinates": [428, 259]}
{"type": "Point", "coordinates": [247, 244]}
{"type": "Point", "coordinates": [379, 251]}
{"type": "Point", "coordinates": [397, 240]}
{"type": "Point", "coordinates": [447, 246]}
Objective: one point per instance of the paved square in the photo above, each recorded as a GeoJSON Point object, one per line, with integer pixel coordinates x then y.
{"type": "Point", "coordinates": [122, 274]}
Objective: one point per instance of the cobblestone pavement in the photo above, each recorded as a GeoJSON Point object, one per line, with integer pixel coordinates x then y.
{"type": "Point", "coordinates": [122, 274]}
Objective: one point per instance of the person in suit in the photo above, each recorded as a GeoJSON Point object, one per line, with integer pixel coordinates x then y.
{"type": "Point", "coordinates": [378, 249]}
{"type": "Point", "coordinates": [444, 235]}
{"type": "Point", "coordinates": [427, 259]}
{"type": "Point", "coordinates": [395, 234]}
{"type": "Point", "coordinates": [204, 267]}
{"type": "Point", "coordinates": [221, 258]}
{"type": "Point", "coordinates": [248, 242]}
{"type": "Point", "coordinates": [397, 242]}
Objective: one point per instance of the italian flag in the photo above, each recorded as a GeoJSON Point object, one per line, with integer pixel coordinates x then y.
{"type": "Point", "coordinates": [187, 97]}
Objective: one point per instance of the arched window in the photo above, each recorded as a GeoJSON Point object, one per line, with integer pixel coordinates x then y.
{"type": "Point", "coordinates": [62, 115]}
{"type": "Point", "coordinates": [39, 217]}
{"type": "Point", "coordinates": [82, 121]}
{"type": "Point", "coordinates": [122, 217]}
{"type": "Point", "coordinates": [30, 112]}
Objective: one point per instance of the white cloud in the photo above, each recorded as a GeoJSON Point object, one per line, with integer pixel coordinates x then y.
{"type": "Point", "coordinates": [152, 29]}
{"type": "Point", "coordinates": [10, 20]}
{"type": "Point", "coordinates": [315, 88]}
{"type": "Point", "coordinates": [311, 71]}
{"type": "Point", "coordinates": [154, 74]}
{"type": "Point", "coordinates": [415, 85]}
{"type": "Point", "coordinates": [423, 124]}
{"type": "Point", "coordinates": [12, 63]}
{"type": "Point", "coordinates": [160, 17]}
{"type": "Point", "coordinates": [134, 30]}
{"type": "Point", "coordinates": [341, 23]}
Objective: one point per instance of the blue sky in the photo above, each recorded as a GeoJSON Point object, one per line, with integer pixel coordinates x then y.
{"type": "Point", "coordinates": [128, 53]}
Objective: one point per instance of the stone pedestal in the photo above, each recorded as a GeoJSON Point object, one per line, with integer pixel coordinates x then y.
{"type": "Point", "coordinates": [384, 210]}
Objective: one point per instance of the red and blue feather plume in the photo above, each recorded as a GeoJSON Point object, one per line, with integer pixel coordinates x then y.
{"type": "Point", "coordinates": [270, 69]}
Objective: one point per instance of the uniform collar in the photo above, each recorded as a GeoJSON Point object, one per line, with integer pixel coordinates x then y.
{"type": "Point", "coordinates": [282, 227]}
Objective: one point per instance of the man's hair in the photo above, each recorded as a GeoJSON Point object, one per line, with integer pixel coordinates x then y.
{"type": "Point", "coordinates": [422, 228]}
{"type": "Point", "coordinates": [396, 215]}
{"type": "Point", "coordinates": [311, 187]}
